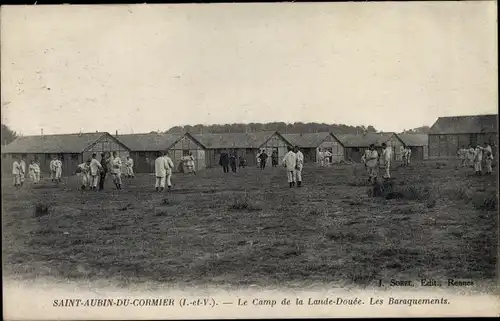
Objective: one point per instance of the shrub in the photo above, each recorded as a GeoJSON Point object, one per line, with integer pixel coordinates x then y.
{"type": "Point", "coordinates": [485, 201]}
{"type": "Point", "coordinates": [244, 204]}
{"type": "Point", "coordinates": [41, 209]}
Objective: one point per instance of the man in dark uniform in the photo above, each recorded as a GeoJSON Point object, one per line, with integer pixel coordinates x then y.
{"type": "Point", "coordinates": [224, 161]}
{"type": "Point", "coordinates": [274, 158]}
{"type": "Point", "coordinates": [263, 159]}
{"type": "Point", "coordinates": [104, 164]}
{"type": "Point", "coordinates": [232, 161]}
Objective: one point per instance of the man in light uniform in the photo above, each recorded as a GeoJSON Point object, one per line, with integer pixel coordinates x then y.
{"type": "Point", "coordinates": [31, 171]}
{"type": "Point", "coordinates": [387, 155]}
{"type": "Point", "coordinates": [488, 158]}
{"type": "Point", "coordinates": [52, 167]}
{"type": "Point", "coordinates": [478, 159]}
{"type": "Point", "coordinates": [408, 155]}
{"type": "Point", "coordinates": [58, 169]}
{"type": "Point", "coordinates": [290, 162]}
{"type": "Point", "coordinates": [95, 169]}
{"type": "Point", "coordinates": [16, 172]}
{"type": "Point", "coordinates": [116, 170]}
{"type": "Point", "coordinates": [163, 171]}
{"type": "Point", "coordinates": [23, 169]}
{"type": "Point", "coordinates": [299, 166]}
{"type": "Point", "coordinates": [461, 156]}
{"type": "Point", "coordinates": [321, 156]}
{"type": "Point", "coordinates": [129, 167]}
{"type": "Point", "coordinates": [470, 156]}
{"type": "Point", "coordinates": [371, 159]}
{"type": "Point", "coordinates": [84, 171]}
{"type": "Point", "coordinates": [36, 170]}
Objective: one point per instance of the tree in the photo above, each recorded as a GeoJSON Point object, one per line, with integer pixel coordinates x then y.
{"type": "Point", "coordinates": [8, 135]}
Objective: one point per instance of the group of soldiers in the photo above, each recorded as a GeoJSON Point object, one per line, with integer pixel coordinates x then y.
{"type": "Point", "coordinates": [93, 172]}
{"type": "Point", "coordinates": [371, 159]}
{"type": "Point", "coordinates": [19, 170]}
{"type": "Point", "coordinates": [474, 157]}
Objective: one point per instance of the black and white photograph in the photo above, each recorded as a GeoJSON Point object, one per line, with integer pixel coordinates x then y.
{"type": "Point", "coordinates": [253, 160]}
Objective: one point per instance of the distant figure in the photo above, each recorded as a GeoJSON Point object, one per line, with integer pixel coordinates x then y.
{"type": "Point", "coordinates": [191, 164]}
{"type": "Point", "coordinates": [35, 171]}
{"type": "Point", "coordinates": [299, 166]}
{"type": "Point", "coordinates": [242, 161]}
{"type": "Point", "coordinates": [478, 159]}
{"type": "Point", "coordinates": [116, 170]}
{"type": "Point", "coordinates": [387, 155]}
{"type": "Point", "coordinates": [274, 158]}
{"type": "Point", "coordinates": [232, 161]}
{"type": "Point", "coordinates": [58, 169]}
{"type": "Point", "coordinates": [224, 161]}
{"type": "Point", "coordinates": [31, 171]}
{"type": "Point", "coordinates": [129, 167]}
{"type": "Point", "coordinates": [104, 170]}
{"type": "Point", "coordinates": [170, 166]}
{"type": "Point", "coordinates": [23, 169]}
{"type": "Point", "coordinates": [462, 156]}
{"type": "Point", "coordinates": [327, 156]}
{"type": "Point", "coordinates": [84, 171]}
{"type": "Point", "coordinates": [16, 172]}
{"type": "Point", "coordinates": [52, 167]}
{"type": "Point", "coordinates": [163, 171]}
{"type": "Point", "coordinates": [263, 159]}
{"type": "Point", "coordinates": [488, 158]}
{"type": "Point", "coordinates": [290, 163]}
{"type": "Point", "coordinates": [258, 159]}
{"type": "Point", "coordinates": [95, 171]}
{"type": "Point", "coordinates": [371, 158]}
{"type": "Point", "coordinates": [321, 156]}
{"type": "Point", "coordinates": [470, 156]}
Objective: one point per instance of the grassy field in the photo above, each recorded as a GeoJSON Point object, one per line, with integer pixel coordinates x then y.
{"type": "Point", "coordinates": [249, 228]}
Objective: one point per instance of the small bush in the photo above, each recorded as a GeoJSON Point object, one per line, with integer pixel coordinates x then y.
{"type": "Point", "coordinates": [41, 209]}
{"type": "Point", "coordinates": [416, 193]}
{"type": "Point", "coordinates": [485, 201]}
{"type": "Point", "coordinates": [166, 201]}
{"type": "Point", "coordinates": [244, 204]}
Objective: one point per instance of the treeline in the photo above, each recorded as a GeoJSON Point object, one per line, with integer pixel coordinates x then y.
{"type": "Point", "coordinates": [8, 135]}
{"type": "Point", "coordinates": [418, 130]}
{"type": "Point", "coordinates": [276, 126]}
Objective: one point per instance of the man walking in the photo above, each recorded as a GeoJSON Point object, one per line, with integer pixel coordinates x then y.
{"type": "Point", "coordinates": [103, 171]}
{"type": "Point", "coordinates": [23, 169]}
{"type": "Point", "coordinates": [232, 161]}
{"type": "Point", "coordinates": [16, 172]}
{"type": "Point", "coordinates": [116, 170]}
{"type": "Point", "coordinates": [274, 158]}
{"type": "Point", "coordinates": [52, 167]}
{"type": "Point", "coordinates": [58, 166]}
{"type": "Point", "coordinates": [163, 171]}
{"type": "Point", "coordinates": [263, 159]}
{"type": "Point", "coordinates": [224, 161]}
{"type": "Point", "coordinates": [299, 166]}
{"type": "Point", "coordinates": [290, 162]}
{"type": "Point", "coordinates": [387, 155]}
{"type": "Point", "coordinates": [488, 158]}
{"type": "Point", "coordinates": [129, 167]}
{"type": "Point", "coordinates": [95, 169]}
{"type": "Point", "coordinates": [371, 159]}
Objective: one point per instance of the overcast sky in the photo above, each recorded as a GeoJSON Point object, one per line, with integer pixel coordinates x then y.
{"type": "Point", "coordinates": [148, 67]}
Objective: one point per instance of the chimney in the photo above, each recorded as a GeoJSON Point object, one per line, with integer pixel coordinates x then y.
{"type": "Point", "coordinates": [116, 134]}
{"type": "Point", "coordinates": [41, 130]}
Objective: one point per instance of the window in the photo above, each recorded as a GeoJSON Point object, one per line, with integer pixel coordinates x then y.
{"type": "Point", "coordinates": [74, 156]}
{"type": "Point", "coordinates": [185, 152]}
{"type": "Point", "coordinates": [142, 154]}
{"type": "Point", "coordinates": [356, 149]}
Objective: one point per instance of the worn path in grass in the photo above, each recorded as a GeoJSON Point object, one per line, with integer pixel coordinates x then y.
{"type": "Point", "coordinates": [250, 228]}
